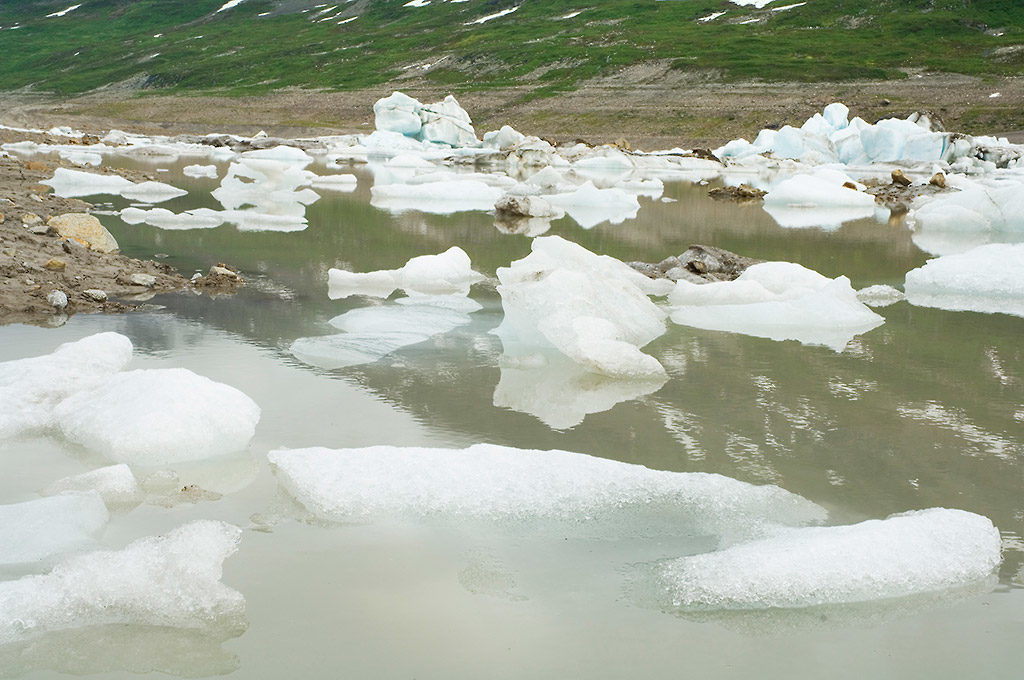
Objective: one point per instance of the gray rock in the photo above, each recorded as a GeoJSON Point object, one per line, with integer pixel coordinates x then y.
{"type": "Point", "coordinates": [95, 294]}
{"type": "Point", "coordinates": [58, 299]}
{"type": "Point", "coordinates": [147, 280]}
{"type": "Point", "coordinates": [699, 264]}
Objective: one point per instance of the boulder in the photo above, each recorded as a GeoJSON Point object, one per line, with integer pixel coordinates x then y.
{"type": "Point", "coordinates": [84, 229]}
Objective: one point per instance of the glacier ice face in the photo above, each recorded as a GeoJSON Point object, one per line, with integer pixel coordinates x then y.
{"type": "Point", "coordinates": [776, 300]}
{"type": "Point", "coordinates": [159, 416]}
{"type": "Point", "coordinates": [987, 278]}
{"type": "Point", "coordinates": [171, 580]}
{"type": "Point", "coordinates": [447, 273]}
{"type": "Point", "coordinates": [37, 530]}
{"type": "Point", "coordinates": [486, 482]}
{"type": "Point", "coordinates": [31, 388]}
{"type": "Point", "coordinates": [593, 309]}
{"type": "Point", "coordinates": [906, 554]}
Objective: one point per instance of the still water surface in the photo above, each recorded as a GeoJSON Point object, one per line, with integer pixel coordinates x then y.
{"type": "Point", "coordinates": [926, 410]}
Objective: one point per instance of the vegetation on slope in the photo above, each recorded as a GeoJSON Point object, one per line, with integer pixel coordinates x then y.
{"type": "Point", "coordinates": [189, 45]}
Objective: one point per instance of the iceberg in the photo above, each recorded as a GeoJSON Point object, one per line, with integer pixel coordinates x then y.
{"type": "Point", "coordinates": [37, 530]}
{"type": "Point", "coordinates": [825, 198]}
{"type": "Point", "coordinates": [444, 122]}
{"type": "Point", "coordinates": [594, 309]}
{"type": "Point", "coordinates": [981, 211]}
{"type": "Point", "coordinates": [447, 273]}
{"type": "Point", "coordinates": [916, 552]}
{"type": "Point", "coordinates": [516, 487]}
{"type": "Point", "coordinates": [200, 171]}
{"type": "Point", "coordinates": [171, 580]}
{"type": "Point", "coordinates": [154, 417]}
{"type": "Point", "coordinates": [987, 279]}
{"type": "Point", "coordinates": [779, 301]}
{"type": "Point", "coordinates": [31, 388]}
{"type": "Point", "coordinates": [590, 206]}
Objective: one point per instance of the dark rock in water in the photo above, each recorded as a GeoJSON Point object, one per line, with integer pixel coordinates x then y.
{"type": "Point", "coordinates": [705, 154]}
{"type": "Point", "coordinates": [899, 178]}
{"type": "Point", "coordinates": [743, 192]}
{"type": "Point", "coordinates": [699, 264]}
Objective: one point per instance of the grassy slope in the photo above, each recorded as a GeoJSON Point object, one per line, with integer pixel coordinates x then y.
{"type": "Point", "coordinates": [108, 41]}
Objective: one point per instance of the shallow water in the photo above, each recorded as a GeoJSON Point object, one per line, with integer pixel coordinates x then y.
{"type": "Point", "coordinates": [926, 410]}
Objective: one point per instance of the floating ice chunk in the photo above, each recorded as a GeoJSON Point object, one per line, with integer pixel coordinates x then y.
{"type": "Point", "coordinates": [262, 194]}
{"type": "Point", "coordinates": [81, 157]}
{"type": "Point", "coordinates": [447, 273]}
{"type": "Point", "coordinates": [282, 153]}
{"type": "Point", "coordinates": [817, 200]}
{"type": "Point", "coordinates": [152, 192]}
{"type": "Point", "coordinates": [200, 218]}
{"type": "Point", "coordinates": [371, 333]}
{"type": "Point", "coordinates": [517, 486]}
{"type": "Point", "coordinates": [824, 188]}
{"type": "Point", "coordinates": [441, 197]}
{"type": "Point", "coordinates": [591, 206]}
{"type": "Point", "coordinates": [171, 580]}
{"type": "Point", "coordinates": [779, 301]}
{"type": "Point", "coordinates": [36, 530]}
{"type": "Point", "coordinates": [917, 552]}
{"type": "Point", "coordinates": [344, 182]}
{"type": "Point", "coordinates": [200, 171]}
{"type": "Point", "coordinates": [880, 296]}
{"type": "Point", "coordinates": [505, 138]}
{"type": "Point", "coordinates": [560, 393]}
{"type": "Point", "coordinates": [74, 183]}
{"type": "Point", "coordinates": [342, 283]}
{"type": "Point", "coordinates": [594, 309]}
{"type": "Point", "coordinates": [981, 211]}
{"type": "Point", "coordinates": [985, 279]}
{"type": "Point", "coordinates": [31, 388]}
{"type": "Point", "coordinates": [159, 416]}
{"type": "Point", "coordinates": [115, 483]}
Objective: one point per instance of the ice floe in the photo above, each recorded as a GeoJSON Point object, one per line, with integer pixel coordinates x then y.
{"type": "Point", "coordinates": [159, 416]}
{"type": "Point", "coordinates": [514, 486]}
{"type": "Point", "coordinates": [31, 388]}
{"type": "Point", "coordinates": [37, 530]}
{"type": "Point", "coordinates": [171, 580]}
{"type": "Point", "coordinates": [74, 183]}
{"type": "Point", "coordinates": [265, 192]}
{"type": "Point", "coordinates": [978, 211]}
{"type": "Point", "coordinates": [371, 333]}
{"type": "Point", "coordinates": [200, 171]}
{"type": "Point", "coordinates": [594, 309]}
{"type": "Point", "coordinates": [988, 278]}
{"type": "Point", "coordinates": [447, 273]}
{"type": "Point", "coordinates": [903, 555]}
{"type": "Point", "coordinates": [823, 198]}
{"type": "Point", "coordinates": [776, 300]}
{"type": "Point", "coordinates": [199, 218]}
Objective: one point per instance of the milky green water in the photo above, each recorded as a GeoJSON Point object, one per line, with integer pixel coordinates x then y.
{"type": "Point", "coordinates": [926, 410]}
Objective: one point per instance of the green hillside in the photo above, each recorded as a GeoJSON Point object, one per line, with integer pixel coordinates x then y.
{"type": "Point", "coordinates": [189, 45]}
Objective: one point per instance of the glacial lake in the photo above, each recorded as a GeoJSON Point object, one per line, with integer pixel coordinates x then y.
{"type": "Point", "coordinates": [924, 411]}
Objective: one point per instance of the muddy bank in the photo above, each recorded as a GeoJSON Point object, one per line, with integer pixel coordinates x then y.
{"type": "Point", "coordinates": [44, 277]}
{"type": "Point", "coordinates": [648, 106]}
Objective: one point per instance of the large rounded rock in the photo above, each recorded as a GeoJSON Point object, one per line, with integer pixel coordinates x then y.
{"type": "Point", "coordinates": [84, 229]}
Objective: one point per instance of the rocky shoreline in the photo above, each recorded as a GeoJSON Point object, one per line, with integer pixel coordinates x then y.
{"type": "Point", "coordinates": [56, 259]}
